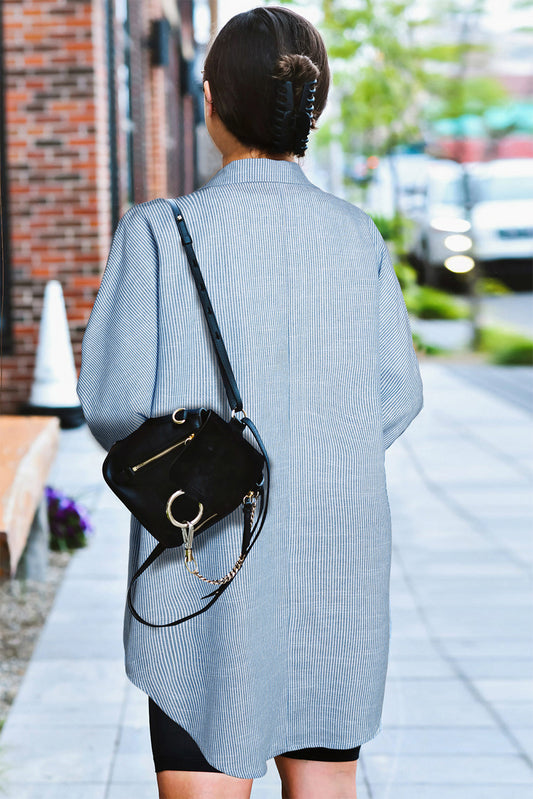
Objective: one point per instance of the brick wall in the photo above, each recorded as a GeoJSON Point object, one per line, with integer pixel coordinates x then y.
{"type": "Point", "coordinates": [56, 99]}
{"type": "Point", "coordinates": [58, 180]}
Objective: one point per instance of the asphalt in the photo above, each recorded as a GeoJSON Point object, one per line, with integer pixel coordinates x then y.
{"type": "Point", "coordinates": [458, 711]}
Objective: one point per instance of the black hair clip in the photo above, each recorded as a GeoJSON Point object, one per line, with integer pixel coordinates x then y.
{"type": "Point", "coordinates": [304, 117]}
{"type": "Point", "coordinates": [282, 126]}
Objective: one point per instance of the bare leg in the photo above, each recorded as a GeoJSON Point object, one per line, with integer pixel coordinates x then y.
{"type": "Point", "coordinates": [202, 785]}
{"type": "Point", "coordinates": [313, 779]}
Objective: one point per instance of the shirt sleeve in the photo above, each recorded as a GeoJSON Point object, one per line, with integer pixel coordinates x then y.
{"type": "Point", "coordinates": [401, 386]}
{"type": "Point", "coordinates": [120, 344]}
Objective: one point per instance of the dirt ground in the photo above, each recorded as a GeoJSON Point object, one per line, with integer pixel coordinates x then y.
{"type": "Point", "coordinates": [24, 606]}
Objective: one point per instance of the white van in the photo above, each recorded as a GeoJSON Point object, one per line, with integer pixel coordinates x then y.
{"type": "Point", "coordinates": [500, 221]}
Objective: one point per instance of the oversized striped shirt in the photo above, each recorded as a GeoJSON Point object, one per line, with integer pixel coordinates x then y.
{"type": "Point", "coordinates": [294, 654]}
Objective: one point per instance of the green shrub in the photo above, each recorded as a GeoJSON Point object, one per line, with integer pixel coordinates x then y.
{"type": "Point", "coordinates": [491, 285]}
{"type": "Point", "coordinates": [407, 276]}
{"type": "Point", "coordinates": [411, 302]}
{"type": "Point", "coordinates": [427, 302]}
{"type": "Point", "coordinates": [389, 227]}
{"type": "Point", "coordinates": [505, 346]}
{"type": "Point", "coordinates": [421, 346]}
{"type": "Point", "coordinates": [517, 355]}
{"type": "Point", "coordinates": [396, 230]}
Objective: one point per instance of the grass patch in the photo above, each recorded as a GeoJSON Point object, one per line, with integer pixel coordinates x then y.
{"type": "Point", "coordinates": [504, 346]}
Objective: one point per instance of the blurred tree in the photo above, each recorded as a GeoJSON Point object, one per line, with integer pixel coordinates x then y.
{"type": "Point", "coordinates": [455, 93]}
{"type": "Point", "coordinates": [523, 5]}
{"type": "Point", "coordinates": [390, 74]}
{"type": "Point", "coordinates": [377, 74]}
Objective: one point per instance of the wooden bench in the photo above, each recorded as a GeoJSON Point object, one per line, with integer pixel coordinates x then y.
{"type": "Point", "coordinates": [28, 446]}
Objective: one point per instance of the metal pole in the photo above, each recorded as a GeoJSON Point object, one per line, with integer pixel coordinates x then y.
{"type": "Point", "coordinates": [473, 275]}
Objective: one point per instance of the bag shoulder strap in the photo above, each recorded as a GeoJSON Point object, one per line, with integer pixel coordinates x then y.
{"type": "Point", "coordinates": [230, 384]}
{"type": "Point", "coordinates": [154, 554]}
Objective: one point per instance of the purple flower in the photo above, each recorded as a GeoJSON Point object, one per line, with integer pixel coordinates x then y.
{"type": "Point", "coordinates": [69, 522]}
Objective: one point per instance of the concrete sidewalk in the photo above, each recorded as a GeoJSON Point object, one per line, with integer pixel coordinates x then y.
{"type": "Point", "coordinates": [458, 715]}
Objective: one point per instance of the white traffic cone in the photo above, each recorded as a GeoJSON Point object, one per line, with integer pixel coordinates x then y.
{"type": "Point", "coordinates": [53, 391]}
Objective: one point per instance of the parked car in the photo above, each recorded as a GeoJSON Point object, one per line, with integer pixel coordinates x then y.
{"type": "Point", "coordinates": [397, 184]}
{"type": "Point", "coordinates": [502, 217]}
{"type": "Point", "coordinates": [500, 221]}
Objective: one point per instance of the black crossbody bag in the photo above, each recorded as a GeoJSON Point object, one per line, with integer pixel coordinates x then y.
{"type": "Point", "coordinates": [182, 473]}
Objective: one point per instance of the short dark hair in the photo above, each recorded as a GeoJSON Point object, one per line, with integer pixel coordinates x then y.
{"type": "Point", "coordinates": [247, 62]}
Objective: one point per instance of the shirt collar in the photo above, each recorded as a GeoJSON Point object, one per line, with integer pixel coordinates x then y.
{"type": "Point", "coordinates": [248, 170]}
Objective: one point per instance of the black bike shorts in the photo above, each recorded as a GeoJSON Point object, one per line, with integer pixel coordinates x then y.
{"type": "Point", "coordinates": [173, 748]}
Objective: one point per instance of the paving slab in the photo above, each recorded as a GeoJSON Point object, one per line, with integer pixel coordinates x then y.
{"type": "Point", "coordinates": [524, 735]}
{"type": "Point", "coordinates": [421, 790]}
{"type": "Point", "coordinates": [458, 708]}
{"type": "Point", "coordinates": [515, 715]}
{"type": "Point", "coordinates": [143, 790]}
{"type": "Point", "coordinates": [464, 770]}
{"type": "Point", "coordinates": [63, 754]}
{"type": "Point", "coordinates": [43, 790]}
{"type": "Point", "coordinates": [424, 741]}
{"type": "Point", "coordinates": [500, 668]}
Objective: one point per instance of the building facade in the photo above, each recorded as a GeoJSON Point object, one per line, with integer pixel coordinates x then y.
{"type": "Point", "coordinates": [100, 107]}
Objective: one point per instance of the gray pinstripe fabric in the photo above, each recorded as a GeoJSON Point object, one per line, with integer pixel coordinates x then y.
{"type": "Point", "coordinates": [294, 654]}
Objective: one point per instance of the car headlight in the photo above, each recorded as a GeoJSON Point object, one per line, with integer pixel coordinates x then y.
{"type": "Point", "coordinates": [450, 224]}
{"type": "Point", "coordinates": [459, 263]}
{"type": "Point", "coordinates": [457, 242]}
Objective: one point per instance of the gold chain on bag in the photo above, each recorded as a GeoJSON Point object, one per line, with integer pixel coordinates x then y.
{"type": "Point", "coordinates": [189, 557]}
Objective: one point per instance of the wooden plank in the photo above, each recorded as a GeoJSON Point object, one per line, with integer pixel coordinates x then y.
{"type": "Point", "coordinates": [28, 446]}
